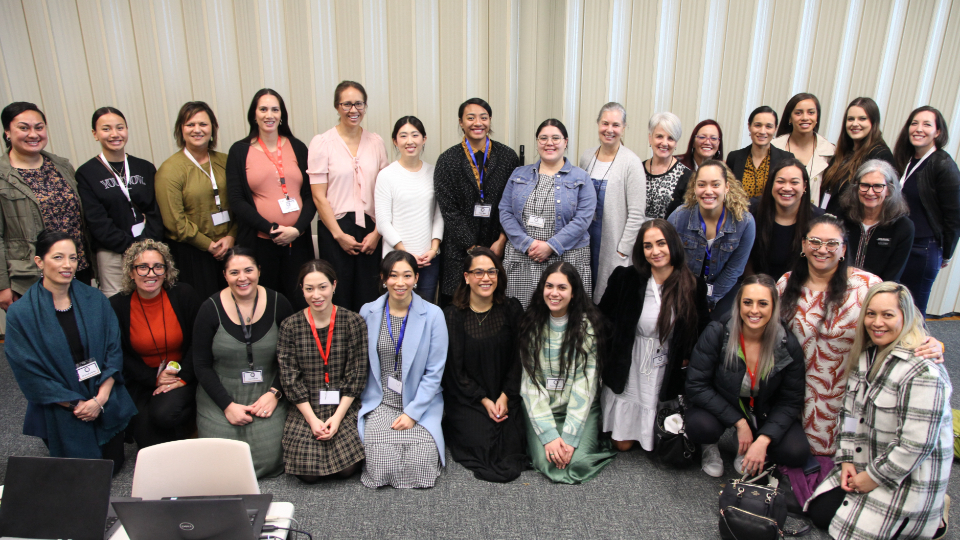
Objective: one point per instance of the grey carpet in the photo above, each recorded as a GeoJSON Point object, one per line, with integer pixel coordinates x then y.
{"type": "Point", "coordinates": [633, 497]}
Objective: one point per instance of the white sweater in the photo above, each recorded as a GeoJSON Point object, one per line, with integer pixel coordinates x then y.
{"type": "Point", "coordinates": [406, 208]}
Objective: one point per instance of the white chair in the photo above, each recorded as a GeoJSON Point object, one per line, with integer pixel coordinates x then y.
{"type": "Point", "coordinates": [194, 467]}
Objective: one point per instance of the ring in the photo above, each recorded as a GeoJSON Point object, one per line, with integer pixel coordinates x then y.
{"type": "Point", "coordinates": [551, 453]}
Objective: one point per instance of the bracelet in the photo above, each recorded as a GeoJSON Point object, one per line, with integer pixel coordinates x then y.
{"type": "Point", "coordinates": [98, 404]}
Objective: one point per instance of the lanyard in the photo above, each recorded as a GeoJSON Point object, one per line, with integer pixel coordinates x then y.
{"type": "Point", "coordinates": [278, 163]}
{"type": "Point", "coordinates": [247, 328]}
{"type": "Point", "coordinates": [403, 328]}
{"type": "Point", "coordinates": [752, 374]}
{"type": "Point", "coordinates": [909, 171]}
{"type": "Point", "coordinates": [325, 354]}
{"type": "Point", "coordinates": [703, 227]}
{"type": "Point", "coordinates": [594, 164]}
{"type": "Point", "coordinates": [480, 171]}
{"type": "Point", "coordinates": [213, 180]}
{"type": "Point", "coordinates": [147, 319]}
{"type": "Point", "coordinates": [124, 186]}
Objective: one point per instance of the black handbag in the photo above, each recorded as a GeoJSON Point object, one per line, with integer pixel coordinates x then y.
{"type": "Point", "coordinates": [751, 511]}
{"type": "Point", "coordinates": [674, 449]}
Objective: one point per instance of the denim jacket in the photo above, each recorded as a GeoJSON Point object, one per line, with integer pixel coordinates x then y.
{"type": "Point", "coordinates": [575, 204]}
{"type": "Point", "coordinates": [730, 252]}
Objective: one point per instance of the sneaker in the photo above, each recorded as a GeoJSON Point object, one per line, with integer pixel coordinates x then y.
{"type": "Point", "coordinates": [738, 464]}
{"type": "Point", "coordinates": [712, 463]}
{"type": "Point", "coordinates": [945, 519]}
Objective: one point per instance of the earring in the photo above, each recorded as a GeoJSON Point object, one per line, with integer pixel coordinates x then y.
{"type": "Point", "coordinates": [414, 285]}
{"type": "Point", "coordinates": [803, 254]}
{"type": "Point", "coordinates": [841, 259]}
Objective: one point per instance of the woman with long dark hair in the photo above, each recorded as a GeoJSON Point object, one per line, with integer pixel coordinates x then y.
{"type": "Point", "coordinates": [706, 142]}
{"type": "Point", "coordinates": [751, 165]}
{"type": "Point", "coordinates": [799, 134]}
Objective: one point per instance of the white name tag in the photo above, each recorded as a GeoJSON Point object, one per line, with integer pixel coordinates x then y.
{"type": "Point", "coordinates": [535, 221]}
{"type": "Point", "coordinates": [219, 218]}
{"type": "Point", "coordinates": [288, 205]}
{"type": "Point", "coordinates": [555, 384]}
{"type": "Point", "coordinates": [329, 397]}
{"type": "Point", "coordinates": [660, 358]}
{"type": "Point", "coordinates": [88, 369]}
{"type": "Point", "coordinates": [709, 289]}
{"type": "Point", "coordinates": [482, 210]}
{"type": "Point", "coordinates": [394, 385]}
{"type": "Point", "coordinates": [850, 425]}
{"type": "Point", "coordinates": [137, 229]}
{"type": "Point", "coordinates": [252, 377]}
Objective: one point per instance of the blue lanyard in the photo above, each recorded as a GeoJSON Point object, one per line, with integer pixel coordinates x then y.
{"type": "Point", "coordinates": [473, 158]}
{"type": "Point", "coordinates": [403, 328]}
{"type": "Point", "coordinates": [703, 227]}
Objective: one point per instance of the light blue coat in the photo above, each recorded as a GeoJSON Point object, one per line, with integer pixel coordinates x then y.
{"type": "Point", "coordinates": [424, 353]}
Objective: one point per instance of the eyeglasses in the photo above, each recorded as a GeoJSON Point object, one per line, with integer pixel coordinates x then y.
{"type": "Point", "coordinates": [816, 243]}
{"type": "Point", "coordinates": [479, 272]}
{"type": "Point", "coordinates": [347, 105]}
{"type": "Point", "coordinates": [877, 188]}
{"type": "Point", "coordinates": [144, 269]}
{"type": "Point", "coordinates": [544, 139]}
{"type": "Point", "coordinates": [701, 138]}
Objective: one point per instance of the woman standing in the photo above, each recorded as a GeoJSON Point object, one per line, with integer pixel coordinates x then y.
{"type": "Point", "coordinates": [39, 192]}
{"type": "Point", "coordinates": [540, 230]}
{"type": "Point", "coordinates": [469, 183]}
{"type": "Point", "coordinates": [270, 197]}
{"type": "Point", "coordinates": [401, 406]}
{"type": "Point", "coordinates": [618, 172]}
{"type": "Point", "coordinates": [119, 202]}
{"type": "Point", "coordinates": [706, 142]}
{"type": "Point", "coordinates": [76, 401]}
{"type": "Point", "coordinates": [657, 308]}
{"type": "Point", "coordinates": [322, 353]}
{"type": "Point", "coordinates": [751, 165]}
{"type": "Point", "coordinates": [192, 195]}
{"type": "Point", "coordinates": [343, 165]}
{"type": "Point", "coordinates": [798, 134]}
{"type": "Point", "coordinates": [481, 385]}
{"type": "Point", "coordinates": [235, 358]}
{"type": "Point", "coordinates": [931, 186]}
{"type": "Point", "coordinates": [407, 213]}
{"type": "Point", "coordinates": [559, 344]}
{"type": "Point", "coordinates": [666, 176]}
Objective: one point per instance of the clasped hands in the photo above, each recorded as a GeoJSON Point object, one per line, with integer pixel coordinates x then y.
{"type": "Point", "coordinates": [496, 410]}
{"type": "Point", "coordinates": [559, 453]}
{"type": "Point", "coordinates": [853, 482]}
{"type": "Point", "coordinates": [241, 415]}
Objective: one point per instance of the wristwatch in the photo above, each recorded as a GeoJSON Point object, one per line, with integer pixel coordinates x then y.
{"type": "Point", "coordinates": [276, 393]}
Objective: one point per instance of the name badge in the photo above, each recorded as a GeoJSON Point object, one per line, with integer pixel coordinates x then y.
{"type": "Point", "coordinates": [660, 358]}
{"type": "Point", "coordinates": [482, 210]}
{"type": "Point", "coordinates": [709, 289]}
{"type": "Point", "coordinates": [555, 384]}
{"type": "Point", "coordinates": [252, 377]}
{"type": "Point", "coordinates": [219, 218]}
{"type": "Point", "coordinates": [535, 221]}
{"type": "Point", "coordinates": [137, 229]}
{"type": "Point", "coordinates": [394, 385]}
{"type": "Point", "coordinates": [329, 397]}
{"type": "Point", "coordinates": [883, 241]}
{"type": "Point", "coordinates": [288, 205]}
{"type": "Point", "coordinates": [850, 425]}
{"type": "Point", "coordinates": [88, 369]}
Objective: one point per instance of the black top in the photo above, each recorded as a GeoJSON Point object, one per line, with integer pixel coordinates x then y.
{"type": "Point", "coordinates": [779, 257]}
{"type": "Point", "coordinates": [938, 181]}
{"type": "Point", "coordinates": [68, 321]}
{"type": "Point", "coordinates": [880, 151]}
{"type": "Point", "coordinates": [883, 250]}
{"type": "Point", "coordinates": [737, 159]}
{"type": "Point", "coordinates": [911, 192]}
{"type": "Point", "coordinates": [107, 212]}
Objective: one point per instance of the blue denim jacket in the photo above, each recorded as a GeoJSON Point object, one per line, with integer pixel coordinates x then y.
{"type": "Point", "coordinates": [731, 248]}
{"type": "Point", "coordinates": [575, 204]}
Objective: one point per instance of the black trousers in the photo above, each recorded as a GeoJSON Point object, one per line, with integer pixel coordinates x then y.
{"type": "Point", "coordinates": [198, 268]}
{"type": "Point", "coordinates": [358, 276]}
{"type": "Point", "coordinates": [163, 417]}
{"type": "Point", "coordinates": [792, 450]}
{"type": "Point", "coordinates": [280, 266]}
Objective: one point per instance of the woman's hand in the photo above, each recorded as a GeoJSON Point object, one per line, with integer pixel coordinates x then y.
{"type": "Point", "coordinates": [861, 483]}
{"type": "Point", "coordinates": [7, 297]}
{"type": "Point", "coordinates": [756, 455]}
{"type": "Point", "coordinates": [332, 426]}
{"type": "Point", "coordinates": [348, 243]}
{"type": "Point", "coordinates": [403, 422]}
{"type": "Point", "coordinates": [287, 235]}
{"type": "Point", "coordinates": [502, 402]}
{"type": "Point", "coordinates": [539, 251]}
{"type": "Point", "coordinates": [88, 410]}
{"type": "Point", "coordinates": [498, 245]}
{"type": "Point", "coordinates": [238, 415]}
{"type": "Point", "coordinates": [317, 427]}
{"type": "Point", "coordinates": [164, 388]}
{"type": "Point", "coordinates": [370, 242]}
{"type": "Point", "coordinates": [847, 472]}
{"type": "Point", "coordinates": [930, 348]}
{"type": "Point", "coordinates": [264, 406]}
{"type": "Point", "coordinates": [492, 411]}
{"type": "Point", "coordinates": [744, 436]}
{"type": "Point", "coordinates": [219, 248]}
{"type": "Point", "coordinates": [558, 452]}
{"type": "Point", "coordinates": [167, 377]}
{"type": "Point", "coordinates": [424, 260]}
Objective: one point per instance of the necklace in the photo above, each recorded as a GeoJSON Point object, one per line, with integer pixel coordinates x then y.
{"type": "Point", "coordinates": [477, 315]}
{"type": "Point", "coordinates": [120, 173]}
{"type": "Point", "coordinates": [66, 309]}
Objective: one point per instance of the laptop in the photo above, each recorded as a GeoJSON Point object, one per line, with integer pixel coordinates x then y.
{"type": "Point", "coordinates": [240, 517]}
{"type": "Point", "coordinates": [46, 497]}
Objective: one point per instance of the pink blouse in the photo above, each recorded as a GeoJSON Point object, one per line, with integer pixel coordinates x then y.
{"type": "Point", "coordinates": [350, 180]}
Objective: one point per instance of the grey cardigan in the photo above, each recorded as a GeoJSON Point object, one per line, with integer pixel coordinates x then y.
{"type": "Point", "coordinates": [623, 212]}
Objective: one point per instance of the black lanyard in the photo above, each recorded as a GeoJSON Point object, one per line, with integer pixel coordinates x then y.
{"type": "Point", "coordinates": [147, 319]}
{"type": "Point", "coordinates": [247, 329]}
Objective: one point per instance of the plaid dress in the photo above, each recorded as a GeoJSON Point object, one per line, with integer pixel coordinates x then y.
{"type": "Point", "coordinates": [302, 375]}
{"type": "Point", "coordinates": [899, 429]}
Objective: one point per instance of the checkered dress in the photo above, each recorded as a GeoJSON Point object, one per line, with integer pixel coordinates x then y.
{"type": "Point", "coordinates": [402, 459]}
{"type": "Point", "coordinates": [522, 272]}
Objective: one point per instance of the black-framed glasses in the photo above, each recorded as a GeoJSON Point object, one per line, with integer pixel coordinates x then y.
{"type": "Point", "coordinates": [347, 105]}
{"type": "Point", "coordinates": [877, 188]}
{"type": "Point", "coordinates": [479, 273]}
{"type": "Point", "coordinates": [145, 269]}
{"type": "Point", "coordinates": [831, 245]}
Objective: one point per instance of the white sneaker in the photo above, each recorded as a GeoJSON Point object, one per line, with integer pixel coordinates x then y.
{"type": "Point", "coordinates": [738, 464]}
{"type": "Point", "coordinates": [712, 463]}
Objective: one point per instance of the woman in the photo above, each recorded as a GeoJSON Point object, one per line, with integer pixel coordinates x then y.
{"type": "Point", "coordinates": [542, 232]}
{"type": "Point", "coordinates": [37, 191]}
{"type": "Point", "coordinates": [270, 195]}
{"type": "Point", "coordinates": [401, 406]}
{"type": "Point", "coordinates": [408, 216]}
{"type": "Point", "coordinates": [343, 165]}
{"type": "Point", "coordinates": [469, 182]}
{"type": "Point", "coordinates": [76, 401]}
{"type": "Point", "coordinates": [192, 195]}
{"type": "Point", "coordinates": [235, 359]}
{"type": "Point", "coordinates": [931, 186]}
{"type": "Point", "coordinates": [119, 201]}
{"type": "Point", "coordinates": [798, 134]}
{"type": "Point", "coordinates": [747, 373]}
{"type": "Point", "coordinates": [618, 172]}
{"type": "Point", "coordinates": [860, 141]}
{"type": "Point", "coordinates": [751, 165]}
{"type": "Point", "coordinates": [706, 142]}
{"type": "Point", "coordinates": [896, 409]}
{"type": "Point", "coordinates": [156, 316]}
{"type": "Point", "coordinates": [481, 386]}
{"type": "Point", "coordinates": [666, 176]}
{"type": "Point", "coordinates": [559, 350]}
{"type": "Point", "coordinates": [657, 308]}
{"type": "Point", "coordinates": [703, 219]}
{"type": "Point", "coordinates": [781, 216]}
{"type": "Point", "coordinates": [322, 353]}
{"type": "Point", "coordinates": [877, 217]}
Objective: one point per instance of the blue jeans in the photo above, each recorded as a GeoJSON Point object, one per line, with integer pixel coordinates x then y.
{"type": "Point", "coordinates": [923, 265]}
{"type": "Point", "coordinates": [427, 284]}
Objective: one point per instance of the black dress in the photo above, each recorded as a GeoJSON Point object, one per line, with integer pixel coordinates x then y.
{"type": "Point", "coordinates": [483, 361]}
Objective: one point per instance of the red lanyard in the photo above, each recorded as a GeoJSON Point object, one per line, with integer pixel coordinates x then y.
{"type": "Point", "coordinates": [753, 374]}
{"type": "Point", "coordinates": [278, 163]}
{"type": "Point", "coordinates": [325, 354]}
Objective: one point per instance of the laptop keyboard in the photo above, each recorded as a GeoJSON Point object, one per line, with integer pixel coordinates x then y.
{"type": "Point", "coordinates": [110, 522]}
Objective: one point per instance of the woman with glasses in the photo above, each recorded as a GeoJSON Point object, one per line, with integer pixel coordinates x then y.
{"type": "Point", "coordinates": [706, 142]}
{"type": "Point", "coordinates": [482, 422]}
{"type": "Point", "coordinates": [343, 165]}
{"type": "Point", "coordinates": [878, 220]}
{"type": "Point", "coordinates": [156, 316]}
{"type": "Point", "coordinates": [545, 211]}
{"type": "Point", "coordinates": [751, 165]}
{"type": "Point", "coordinates": [666, 176]}
{"type": "Point", "coordinates": [798, 134]}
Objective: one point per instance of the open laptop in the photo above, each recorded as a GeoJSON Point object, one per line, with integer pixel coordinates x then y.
{"type": "Point", "coordinates": [239, 517]}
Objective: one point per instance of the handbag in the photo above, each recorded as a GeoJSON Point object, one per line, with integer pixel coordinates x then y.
{"type": "Point", "coordinates": [752, 511]}
{"type": "Point", "coordinates": [674, 449]}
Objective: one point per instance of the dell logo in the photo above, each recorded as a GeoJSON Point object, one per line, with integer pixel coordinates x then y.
{"type": "Point", "coordinates": [186, 526]}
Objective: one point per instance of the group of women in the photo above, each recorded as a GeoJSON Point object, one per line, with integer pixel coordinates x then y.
{"type": "Point", "coordinates": [577, 300]}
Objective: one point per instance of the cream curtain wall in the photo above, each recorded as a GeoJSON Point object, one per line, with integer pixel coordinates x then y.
{"type": "Point", "coordinates": [531, 59]}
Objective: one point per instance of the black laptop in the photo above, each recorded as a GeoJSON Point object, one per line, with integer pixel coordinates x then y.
{"type": "Point", "coordinates": [239, 517]}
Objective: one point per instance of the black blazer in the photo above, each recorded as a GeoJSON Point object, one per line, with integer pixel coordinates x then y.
{"type": "Point", "coordinates": [880, 151]}
{"type": "Point", "coordinates": [885, 249]}
{"type": "Point", "coordinates": [622, 304]}
{"type": "Point", "coordinates": [737, 159]}
{"type": "Point", "coordinates": [249, 221]}
{"type": "Point", "coordinates": [939, 184]}
{"type": "Point", "coordinates": [185, 303]}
